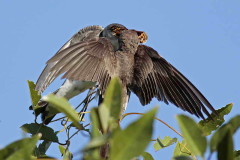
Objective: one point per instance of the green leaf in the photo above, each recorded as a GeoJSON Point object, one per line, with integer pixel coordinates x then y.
{"type": "Point", "coordinates": [234, 123]}
{"type": "Point", "coordinates": [237, 155]}
{"type": "Point", "coordinates": [62, 105]}
{"type": "Point", "coordinates": [225, 146]}
{"type": "Point", "coordinates": [222, 140]}
{"type": "Point", "coordinates": [193, 135]}
{"type": "Point", "coordinates": [237, 158]}
{"type": "Point", "coordinates": [132, 141]}
{"type": "Point", "coordinates": [109, 110]}
{"type": "Point", "coordinates": [147, 156]}
{"type": "Point", "coordinates": [95, 123]}
{"type": "Point", "coordinates": [96, 142]}
{"type": "Point", "coordinates": [182, 158]}
{"type": "Point", "coordinates": [61, 149]}
{"type": "Point", "coordinates": [182, 149]}
{"type": "Point", "coordinates": [113, 98]}
{"type": "Point", "coordinates": [21, 149]}
{"type": "Point", "coordinates": [93, 155]}
{"type": "Point", "coordinates": [67, 155]}
{"type": "Point", "coordinates": [162, 143]}
{"type": "Point", "coordinates": [104, 116]}
{"type": "Point", "coordinates": [208, 125]}
{"type": "Point", "coordinates": [43, 147]}
{"type": "Point", "coordinates": [96, 137]}
{"type": "Point", "coordinates": [35, 97]}
{"type": "Point", "coordinates": [216, 139]}
{"type": "Point", "coordinates": [47, 132]}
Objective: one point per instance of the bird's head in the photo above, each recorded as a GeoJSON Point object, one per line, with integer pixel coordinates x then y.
{"type": "Point", "coordinates": [117, 29]}
{"type": "Point", "coordinates": [142, 36]}
{"type": "Point", "coordinates": [113, 30]}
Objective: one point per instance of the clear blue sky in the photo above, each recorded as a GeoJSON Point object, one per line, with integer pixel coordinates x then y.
{"type": "Point", "coordinates": [200, 38]}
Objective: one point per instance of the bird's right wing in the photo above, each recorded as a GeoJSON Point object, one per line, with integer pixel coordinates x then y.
{"type": "Point", "coordinates": [155, 77]}
{"type": "Point", "coordinates": [84, 34]}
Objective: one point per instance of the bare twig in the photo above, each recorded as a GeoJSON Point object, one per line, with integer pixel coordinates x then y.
{"type": "Point", "coordinates": [126, 114]}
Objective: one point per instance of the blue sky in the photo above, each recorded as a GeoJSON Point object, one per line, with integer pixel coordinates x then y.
{"type": "Point", "coordinates": [200, 38]}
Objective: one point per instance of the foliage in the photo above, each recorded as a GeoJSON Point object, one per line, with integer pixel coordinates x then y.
{"type": "Point", "coordinates": [193, 135]}
{"type": "Point", "coordinates": [109, 141]}
{"type": "Point", "coordinates": [208, 125]}
{"type": "Point", "coordinates": [47, 132]}
{"type": "Point", "coordinates": [162, 143]}
{"type": "Point", "coordinates": [21, 149]}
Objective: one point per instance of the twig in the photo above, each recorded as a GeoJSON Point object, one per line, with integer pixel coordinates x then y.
{"type": "Point", "coordinates": [126, 114]}
{"type": "Point", "coordinates": [79, 130]}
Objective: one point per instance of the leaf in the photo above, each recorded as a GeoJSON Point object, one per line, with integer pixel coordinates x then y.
{"type": "Point", "coordinates": [132, 141]}
{"type": "Point", "coordinates": [95, 123]}
{"type": "Point", "coordinates": [43, 147]}
{"type": "Point", "coordinates": [237, 158]}
{"type": "Point", "coordinates": [181, 149]}
{"type": "Point", "coordinates": [79, 116]}
{"type": "Point", "coordinates": [47, 132]}
{"type": "Point", "coordinates": [147, 156]}
{"type": "Point", "coordinates": [47, 158]}
{"type": "Point", "coordinates": [192, 134]}
{"type": "Point", "coordinates": [21, 149]}
{"type": "Point", "coordinates": [109, 110]}
{"type": "Point", "coordinates": [234, 123]}
{"type": "Point", "coordinates": [62, 105]}
{"type": "Point", "coordinates": [113, 98]}
{"type": "Point", "coordinates": [35, 97]}
{"type": "Point", "coordinates": [96, 137]}
{"type": "Point", "coordinates": [104, 116]}
{"type": "Point", "coordinates": [67, 155]}
{"type": "Point", "coordinates": [237, 155]}
{"type": "Point", "coordinates": [61, 149]}
{"type": "Point", "coordinates": [216, 139]}
{"type": "Point", "coordinates": [162, 143]}
{"type": "Point", "coordinates": [225, 146]}
{"type": "Point", "coordinates": [96, 142]}
{"type": "Point", "coordinates": [182, 158]}
{"type": "Point", "coordinates": [208, 125]}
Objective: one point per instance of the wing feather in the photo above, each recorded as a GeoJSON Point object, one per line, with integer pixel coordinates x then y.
{"type": "Point", "coordinates": [88, 61]}
{"type": "Point", "coordinates": [155, 77]}
{"type": "Point", "coordinates": [49, 74]}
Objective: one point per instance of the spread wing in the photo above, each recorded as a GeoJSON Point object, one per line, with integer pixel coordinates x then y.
{"type": "Point", "coordinates": [155, 77]}
{"type": "Point", "coordinates": [84, 34]}
{"type": "Point", "coordinates": [84, 61]}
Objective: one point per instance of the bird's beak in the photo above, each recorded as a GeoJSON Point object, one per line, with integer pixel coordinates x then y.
{"type": "Point", "coordinates": [142, 36]}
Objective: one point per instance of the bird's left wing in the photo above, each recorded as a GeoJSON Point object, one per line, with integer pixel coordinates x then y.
{"type": "Point", "coordinates": [84, 34]}
{"type": "Point", "coordinates": [91, 60]}
{"type": "Point", "coordinates": [155, 77]}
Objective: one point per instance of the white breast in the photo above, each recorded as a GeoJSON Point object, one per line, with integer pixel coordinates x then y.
{"type": "Point", "coordinates": [71, 88]}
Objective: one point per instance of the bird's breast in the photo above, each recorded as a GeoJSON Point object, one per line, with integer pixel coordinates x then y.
{"type": "Point", "coordinates": [124, 67]}
{"type": "Point", "coordinates": [72, 88]}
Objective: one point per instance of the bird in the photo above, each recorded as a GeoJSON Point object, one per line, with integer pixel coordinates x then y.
{"type": "Point", "coordinates": [95, 55]}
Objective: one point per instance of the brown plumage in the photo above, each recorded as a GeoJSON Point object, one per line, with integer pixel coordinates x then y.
{"type": "Point", "coordinates": [117, 51]}
{"type": "Point", "coordinates": [155, 77]}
